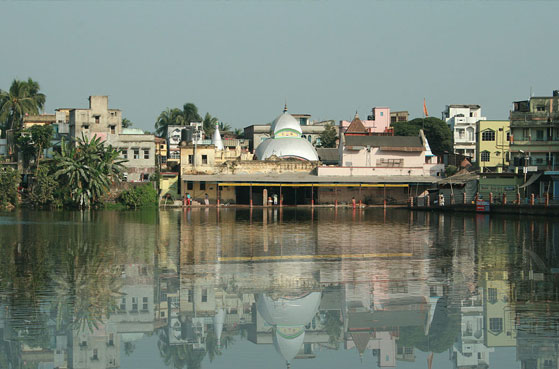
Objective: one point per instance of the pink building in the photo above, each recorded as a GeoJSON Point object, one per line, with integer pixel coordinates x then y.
{"type": "Point", "coordinates": [378, 121]}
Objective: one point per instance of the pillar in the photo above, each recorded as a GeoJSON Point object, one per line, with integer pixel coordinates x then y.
{"type": "Point", "coordinates": [491, 198]}
{"type": "Point", "coordinates": [546, 199]}
{"type": "Point", "coordinates": [218, 201]}
{"type": "Point", "coordinates": [384, 195]}
{"type": "Point", "coordinates": [312, 195]}
{"type": "Point", "coordinates": [336, 195]}
{"type": "Point", "coordinates": [532, 199]}
{"type": "Point", "coordinates": [504, 198]}
{"type": "Point", "coordinates": [281, 198]}
{"type": "Point", "coordinates": [265, 197]}
{"type": "Point", "coordinates": [360, 196]}
{"type": "Point", "coordinates": [250, 195]}
{"type": "Point", "coordinates": [464, 197]}
{"type": "Point", "coordinates": [427, 200]}
{"type": "Point", "coordinates": [518, 197]}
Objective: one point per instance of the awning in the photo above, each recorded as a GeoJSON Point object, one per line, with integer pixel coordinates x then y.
{"type": "Point", "coordinates": [532, 179]}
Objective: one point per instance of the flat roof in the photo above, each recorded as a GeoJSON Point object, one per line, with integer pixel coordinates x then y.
{"type": "Point", "coordinates": [306, 178]}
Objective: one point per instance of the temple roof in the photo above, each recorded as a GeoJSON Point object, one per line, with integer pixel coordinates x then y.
{"type": "Point", "coordinates": [356, 126]}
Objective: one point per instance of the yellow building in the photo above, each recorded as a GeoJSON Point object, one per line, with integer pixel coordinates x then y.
{"type": "Point", "coordinates": [492, 144]}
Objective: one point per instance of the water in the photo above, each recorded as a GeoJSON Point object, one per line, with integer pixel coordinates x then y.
{"type": "Point", "coordinates": [274, 288]}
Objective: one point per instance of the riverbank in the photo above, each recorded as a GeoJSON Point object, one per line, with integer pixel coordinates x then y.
{"type": "Point", "coordinates": [552, 210]}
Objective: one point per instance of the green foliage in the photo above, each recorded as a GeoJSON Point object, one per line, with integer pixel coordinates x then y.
{"type": "Point", "coordinates": [436, 131]}
{"type": "Point", "coordinates": [22, 98]}
{"type": "Point", "coordinates": [328, 137]}
{"type": "Point", "coordinates": [85, 171]}
{"type": "Point", "coordinates": [450, 170]}
{"type": "Point", "coordinates": [140, 196]}
{"type": "Point", "coordinates": [239, 133]}
{"type": "Point", "coordinates": [126, 123]}
{"type": "Point", "coordinates": [33, 141]}
{"type": "Point", "coordinates": [334, 327]}
{"type": "Point", "coordinates": [175, 116]}
{"type": "Point", "coordinates": [44, 189]}
{"type": "Point", "coordinates": [9, 181]}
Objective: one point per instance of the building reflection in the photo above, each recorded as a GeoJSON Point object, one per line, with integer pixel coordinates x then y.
{"type": "Point", "coordinates": [452, 288]}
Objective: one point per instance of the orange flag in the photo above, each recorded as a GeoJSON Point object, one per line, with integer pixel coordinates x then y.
{"type": "Point", "coordinates": [425, 108]}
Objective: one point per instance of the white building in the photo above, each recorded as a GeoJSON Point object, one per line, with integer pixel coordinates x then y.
{"type": "Point", "coordinates": [462, 120]}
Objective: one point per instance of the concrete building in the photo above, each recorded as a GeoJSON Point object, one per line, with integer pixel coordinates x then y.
{"type": "Point", "coordinates": [492, 145]}
{"type": "Point", "coordinates": [462, 120]}
{"type": "Point", "coordinates": [377, 122]}
{"type": "Point", "coordinates": [399, 116]}
{"type": "Point", "coordinates": [100, 121]}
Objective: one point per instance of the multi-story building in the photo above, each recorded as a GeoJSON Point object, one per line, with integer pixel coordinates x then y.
{"type": "Point", "coordinates": [492, 144]}
{"type": "Point", "coordinates": [399, 116]}
{"type": "Point", "coordinates": [534, 127]}
{"type": "Point", "coordinates": [377, 122]}
{"type": "Point", "coordinates": [100, 121]}
{"type": "Point", "coordinates": [462, 120]}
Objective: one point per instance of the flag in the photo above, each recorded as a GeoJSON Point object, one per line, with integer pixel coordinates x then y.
{"type": "Point", "coordinates": [425, 108]}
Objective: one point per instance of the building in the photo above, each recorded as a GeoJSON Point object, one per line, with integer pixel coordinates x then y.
{"type": "Point", "coordinates": [492, 145]}
{"type": "Point", "coordinates": [100, 121]}
{"type": "Point", "coordinates": [286, 141]}
{"type": "Point", "coordinates": [462, 120]}
{"type": "Point", "coordinates": [378, 122]}
{"type": "Point", "coordinates": [399, 116]}
{"type": "Point", "coordinates": [311, 131]}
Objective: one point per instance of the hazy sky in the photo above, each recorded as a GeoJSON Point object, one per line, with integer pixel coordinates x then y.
{"type": "Point", "coordinates": [240, 60]}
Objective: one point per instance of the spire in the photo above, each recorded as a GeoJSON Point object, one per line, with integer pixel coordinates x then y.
{"type": "Point", "coordinates": [216, 139]}
{"type": "Point", "coordinates": [285, 107]}
{"type": "Point", "coordinates": [356, 115]}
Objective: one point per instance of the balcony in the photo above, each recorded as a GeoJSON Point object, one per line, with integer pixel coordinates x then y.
{"type": "Point", "coordinates": [533, 118]}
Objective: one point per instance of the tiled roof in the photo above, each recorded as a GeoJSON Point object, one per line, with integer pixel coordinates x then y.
{"type": "Point", "coordinates": [356, 126]}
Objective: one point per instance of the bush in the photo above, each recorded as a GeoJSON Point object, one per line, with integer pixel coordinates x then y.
{"type": "Point", "coordinates": [9, 180]}
{"type": "Point", "coordinates": [450, 170]}
{"type": "Point", "coordinates": [140, 196]}
{"type": "Point", "coordinates": [44, 189]}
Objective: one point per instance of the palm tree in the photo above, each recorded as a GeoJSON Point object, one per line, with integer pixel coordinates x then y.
{"type": "Point", "coordinates": [167, 118]}
{"type": "Point", "coordinates": [208, 125]}
{"type": "Point", "coordinates": [22, 98]}
{"type": "Point", "coordinates": [87, 170]}
{"type": "Point", "coordinates": [239, 133]}
{"type": "Point", "coordinates": [126, 123]}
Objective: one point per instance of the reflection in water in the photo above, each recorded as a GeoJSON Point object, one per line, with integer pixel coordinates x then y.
{"type": "Point", "coordinates": [384, 288]}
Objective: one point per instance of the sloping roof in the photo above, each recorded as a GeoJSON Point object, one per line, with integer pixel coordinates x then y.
{"type": "Point", "coordinates": [361, 339]}
{"type": "Point", "coordinates": [404, 143]}
{"type": "Point", "coordinates": [356, 126]}
{"type": "Point", "coordinates": [328, 155]}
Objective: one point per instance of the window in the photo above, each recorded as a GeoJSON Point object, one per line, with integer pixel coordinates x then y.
{"type": "Point", "coordinates": [95, 355]}
{"type": "Point", "coordinates": [392, 119]}
{"type": "Point", "coordinates": [190, 159]}
{"type": "Point", "coordinates": [496, 324]}
{"type": "Point", "coordinates": [461, 134]}
{"type": "Point", "coordinates": [539, 135]}
{"type": "Point", "coordinates": [488, 135]}
{"type": "Point", "coordinates": [113, 129]}
{"type": "Point", "coordinates": [508, 136]}
{"type": "Point", "coordinates": [134, 304]}
{"type": "Point", "coordinates": [202, 186]}
{"type": "Point", "coordinates": [382, 114]}
{"type": "Point", "coordinates": [540, 108]}
{"type": "Point", "coordinates": [145, 303]}
{"type": "Point", "coordinates": [189, 185]}
{"type": "Point", "coordinates": [124, 152]}
{"type": "Point", "coordinates": [204, 159]}
{"type": "Point", "coordinates": [190, 295]}
{"type": "Point", "coordinates": [97, 118]}
{"type": "Point", "coordinates": [204, 295]}
{"type": "Point", "coordinates": [136, 153]}
{"type": "Point", "coordinates": [85, 126]}
{"type": "Point", "coordinates": [146, 153]}
{"type": "Point", "coordinates": [526, 134]}
{"type": "Point", "coordinates": [122, 304]}
{"type": "Point", "coordinates": [492, 295]}
{"type": "Point", "coordinates": [485, 156]}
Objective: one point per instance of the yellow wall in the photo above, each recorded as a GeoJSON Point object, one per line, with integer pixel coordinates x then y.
{"type": "Point", "coordinates": [500, 145]}
{"type": "Point", "coordinates": [169, 185]}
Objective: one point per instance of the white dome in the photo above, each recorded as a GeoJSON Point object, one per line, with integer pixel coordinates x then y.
{"type": "Point", "coordinates": [288, 341]}
{"type": "Point", "coordinates": [285, 122]}
{"type": "Point", "coordinates": [288, 311]}
{"type": "Point", "coordinates": [287, 147]}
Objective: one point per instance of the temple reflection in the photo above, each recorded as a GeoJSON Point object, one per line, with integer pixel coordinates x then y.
{"type": "Point", "coordinates": [207, 281]}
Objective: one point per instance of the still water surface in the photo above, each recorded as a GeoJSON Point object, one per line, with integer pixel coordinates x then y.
{"type": "Point", "coordinates": [275, 288]}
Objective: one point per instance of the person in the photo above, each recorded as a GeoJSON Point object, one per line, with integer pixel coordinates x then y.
{"type": "Point", "coordinates": [206, 200]}
{"type": "Point", "coordinates": [270, 201]}
{"type": "Point", "coordinates": [188, 199]}
{"type": "Point", "coordinates": [353, 202]}
{"type": "Point", "coordinates": [275, 199]}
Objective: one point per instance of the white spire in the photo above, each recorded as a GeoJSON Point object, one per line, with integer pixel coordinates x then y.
{"type": "Point", "coordinates": [218, 320]}
{"type": "Point", "coordinates": [216, 139]}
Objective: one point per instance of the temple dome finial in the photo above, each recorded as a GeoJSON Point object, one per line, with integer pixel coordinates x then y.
{"type": "Point", "coordinates": [285, 107]}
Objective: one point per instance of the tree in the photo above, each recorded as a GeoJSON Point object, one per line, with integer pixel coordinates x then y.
{"type": "Point", "coordinates": [44, 188]}
{"type": "Point", "coordinates": [239, 133]}
{"type": "Point", "coordinates": [140, 196]}
{"type": "Point", "coordinates": [190, 113]}
{"type": "Point", "coordinates": [328, 137]}
{"type": "Point", "coordinates": [34, 140]}
{"type": "Point", "coordinates": [9, 180]}
{"type": "Point", "coordinates": [86, 170]}
{"type": "Point", "coordinates": [208, 124]}
{"type": "Point", "coordinates": [436, 131]}
{"type": "Point", "coordinates": [126, 123]}
{"type": "Point", "coordinates": [22, 98]}
{"type": "Point", "coordinates": [168, 117]}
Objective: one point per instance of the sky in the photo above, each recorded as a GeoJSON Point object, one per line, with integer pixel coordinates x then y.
{"type": "Point", "coordinates": [241, 60]}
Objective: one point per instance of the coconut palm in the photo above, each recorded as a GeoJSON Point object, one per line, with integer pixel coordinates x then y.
{"type": "Point", "coordinates": [168, 117]}
{"type": "Point", "coordinates": [22, 98]}
{"type": "Point", "coordinates": [126, 123]}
